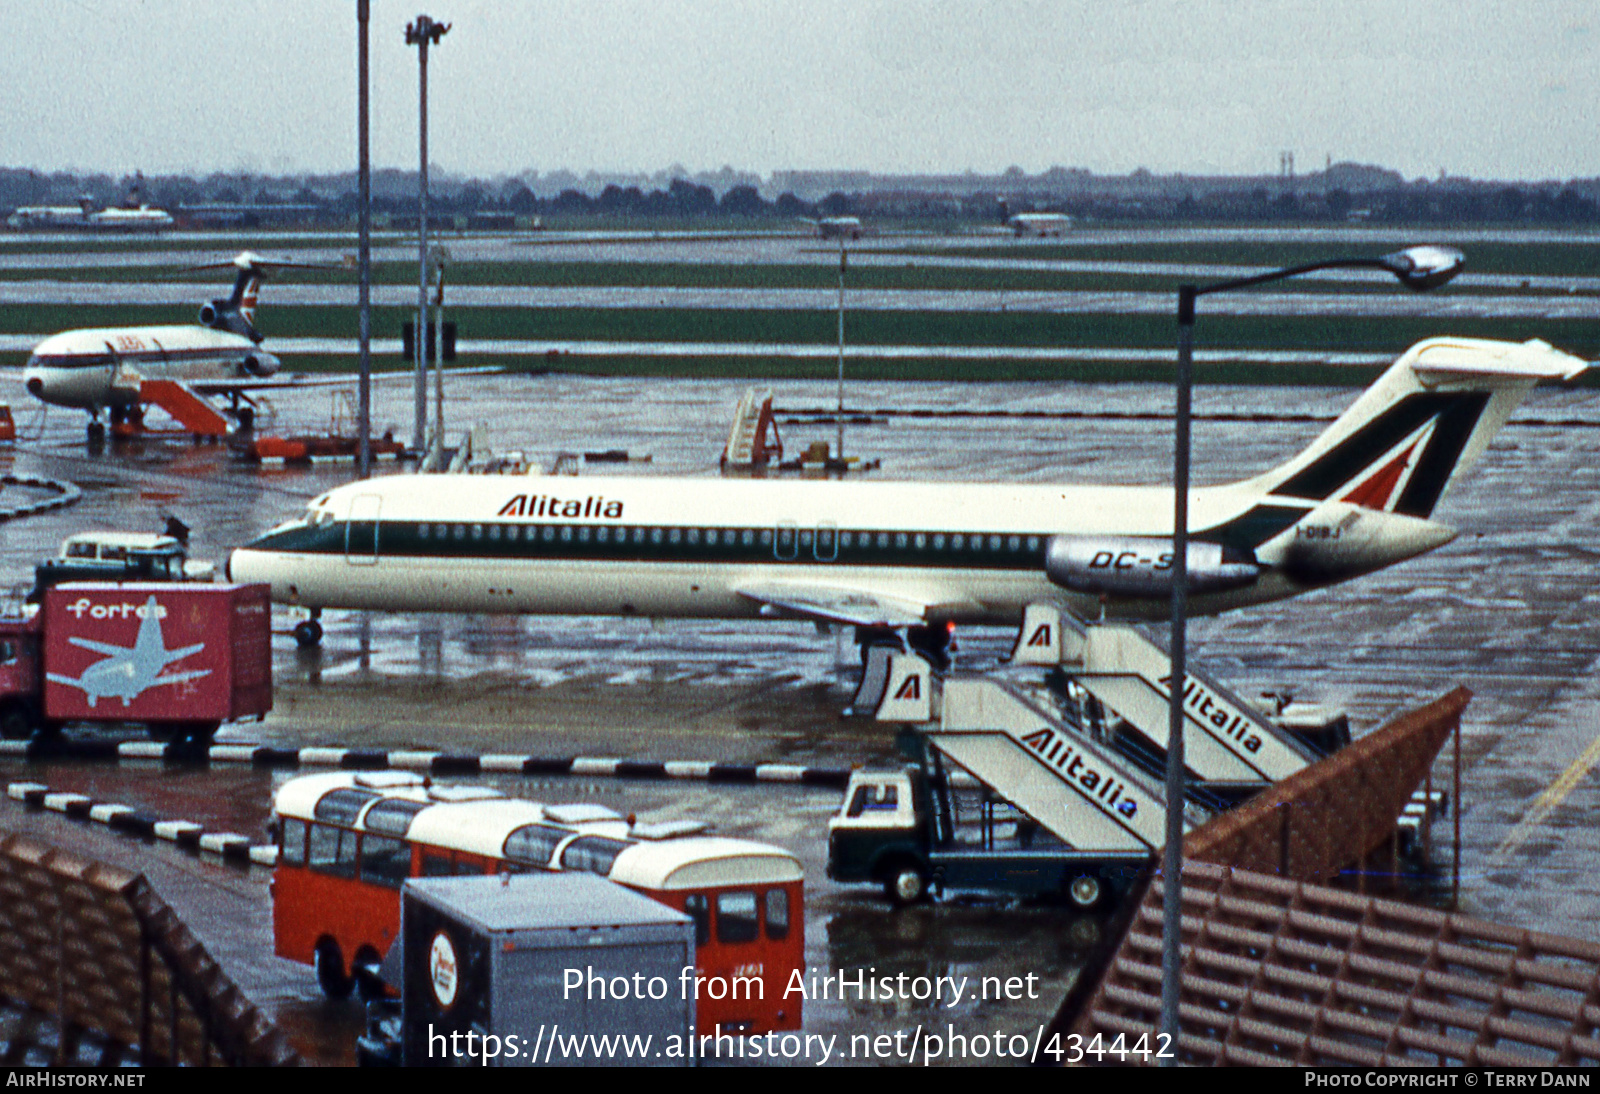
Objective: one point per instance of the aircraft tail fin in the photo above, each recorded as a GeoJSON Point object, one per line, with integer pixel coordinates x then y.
{"type": "Point", "coordinates": [1426, 420]}
{"type": "Point", "coordinates": [236, 313]}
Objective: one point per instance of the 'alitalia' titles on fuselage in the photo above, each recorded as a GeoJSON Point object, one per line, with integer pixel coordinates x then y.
{"type": "Point", "coordinates": [548, 505]}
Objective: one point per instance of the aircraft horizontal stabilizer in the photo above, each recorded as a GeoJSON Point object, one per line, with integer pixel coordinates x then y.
{"type": "Point", "coordinates": [1441, 359]}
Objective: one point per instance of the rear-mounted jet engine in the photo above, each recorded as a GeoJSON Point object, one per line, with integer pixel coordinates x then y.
{"type": "Point", "coordinates": [1142, 566]}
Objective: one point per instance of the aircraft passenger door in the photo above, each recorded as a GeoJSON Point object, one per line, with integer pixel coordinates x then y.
{"type": "Point", "coordinates": [361, 530]}
{"type": "Point", "coordinates": [826, 547]}
{"type": "Point", "coordinates": [786, 544]}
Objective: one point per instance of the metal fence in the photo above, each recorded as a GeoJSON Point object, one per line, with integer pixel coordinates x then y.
{"type": "Point", "coordinates": [1277, 969]}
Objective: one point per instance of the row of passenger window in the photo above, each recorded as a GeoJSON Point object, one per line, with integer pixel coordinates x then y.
{"type": "Point", "coordinates": [384, 860]}
{"type": "Point", "coordinates": [738, 915]}
{"type": "Point", "coordinates": [784, 537]}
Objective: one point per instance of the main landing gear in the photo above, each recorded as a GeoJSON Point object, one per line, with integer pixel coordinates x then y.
{"type": "Point", "coordinates": [933, 642]}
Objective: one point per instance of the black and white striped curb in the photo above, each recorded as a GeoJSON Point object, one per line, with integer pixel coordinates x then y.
{"type": "Point", "coordinates": [62, 494]}
{"type": "Point", "coordinates": [230, 846]}
{"type": "Point", "coordinates": [428, 762]}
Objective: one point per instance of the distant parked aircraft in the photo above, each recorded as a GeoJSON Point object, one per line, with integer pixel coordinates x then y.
{"type": "Point", "coordinates": [124, 369]}
{"type": "Point", "coordinates": [836, 227]}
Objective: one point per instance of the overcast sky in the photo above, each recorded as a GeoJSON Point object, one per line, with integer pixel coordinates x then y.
{"type": "Point", "coordinates": [1471, 87]}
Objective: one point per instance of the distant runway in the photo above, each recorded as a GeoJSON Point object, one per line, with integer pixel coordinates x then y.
{"type": "Point", "coordinates": [1387, 305]}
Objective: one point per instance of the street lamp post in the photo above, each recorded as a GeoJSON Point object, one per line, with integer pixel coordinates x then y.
{"type": "Point", "coordinates": [421, 34]}
{"type": "Point", "coordinates": [364, 244]}
{"type": "Point", "coordinates": [1417, 268]}
{"type": "Point", "coordinates": [840, 413]}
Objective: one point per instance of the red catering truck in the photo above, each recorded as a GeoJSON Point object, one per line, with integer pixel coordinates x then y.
{"type": "Point", "coordinates": [179, 658]}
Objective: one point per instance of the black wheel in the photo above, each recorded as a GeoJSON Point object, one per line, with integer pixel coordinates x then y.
{"type": "Point", "coordinates": [364, 970]}
{"type": "Point", "coordinates": [308, 633]}
{"type": "Point", "coordinates": [331, 977]}
{"type": "Point", "coordinates": [17, 722]}
{"type": "Point", "coordinates": [198, 732]}
{"type": "Point", "coordinates": [905, 883]}
{"type": "Point", "coordinates": [247, 419]}
{"type": "Point", "coordinates": [933, 643]}
{"type": "Point", "coordinates": [1086, 891]}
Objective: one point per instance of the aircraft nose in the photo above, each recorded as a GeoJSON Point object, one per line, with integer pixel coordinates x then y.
{"type": "Point", "coordinates": [35, 386]}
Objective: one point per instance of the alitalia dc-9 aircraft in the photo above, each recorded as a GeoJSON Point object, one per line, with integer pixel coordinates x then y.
{"type": "Point", "coordinates": [917, 557]}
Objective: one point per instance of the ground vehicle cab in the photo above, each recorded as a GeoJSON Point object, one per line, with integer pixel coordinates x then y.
{"type": "Point", "coordinates": [120, 556]}
{"type": "Point", "coordinates": [881, 835]}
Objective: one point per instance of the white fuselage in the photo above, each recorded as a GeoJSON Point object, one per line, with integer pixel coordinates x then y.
{"type": "Point", "coordinates": [95, 368]}
{"type": "Point", "coordinates": [1040, 224]}
{"type": "Point", "coordinates": [909, 554]}
{"type": "Point", "coordinates": [727, 548]}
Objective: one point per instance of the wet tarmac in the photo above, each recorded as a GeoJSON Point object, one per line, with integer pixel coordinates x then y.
{"type": "Point", "coordinates": [1511, 609]}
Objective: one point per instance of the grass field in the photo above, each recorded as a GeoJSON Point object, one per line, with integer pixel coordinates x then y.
{"type": "Point", "coordinates": [1533, 258]}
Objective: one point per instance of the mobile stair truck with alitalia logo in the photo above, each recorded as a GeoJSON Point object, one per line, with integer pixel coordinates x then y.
{"type": "Point", "coordinates": [1043, 803]}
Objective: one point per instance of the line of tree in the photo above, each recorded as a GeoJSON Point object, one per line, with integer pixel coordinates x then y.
{"type": "Point", "coordinates": [333, 198]}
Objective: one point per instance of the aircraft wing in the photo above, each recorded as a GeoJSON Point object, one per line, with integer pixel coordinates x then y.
{"type": "Point", "coordinates": [99, 647]}
{"type": "Point", "coordinates": [180, 677]}
{"type": "Point", "coordinates": [833, 604]}
{"type": "Point", "coordinates": [185, 651]}
{"type": "Point", "coordinates": [225, 386]}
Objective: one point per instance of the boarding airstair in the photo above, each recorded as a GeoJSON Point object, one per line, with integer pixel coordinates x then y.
{"type": "Point", "coordinates": [1078, 789]}
{"type": "Point", "coordinates": [1226, 739]}
{"type": "Point", "coordinates": [748, 444]}
{"type": "Point", "coordinates": [195, 414]}
{"type": "Point", "coordinates": [1080, 752]}
{"type": "Point", "coordinates": [1092, 783]}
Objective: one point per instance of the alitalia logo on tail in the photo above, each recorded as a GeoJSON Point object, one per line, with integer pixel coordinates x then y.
{"type": "Point", "coordinates": [545, 505]}
{"type": "Point", "coordinates": [1060, 753]}
{"type": "Point", "coordinates": [1382, 488]}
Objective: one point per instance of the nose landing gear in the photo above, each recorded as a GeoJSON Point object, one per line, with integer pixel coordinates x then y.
{"type": "Point", "coordinates": [308, 632]}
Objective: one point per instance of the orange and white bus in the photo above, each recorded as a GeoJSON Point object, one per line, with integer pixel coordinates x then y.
{"type": "Point", "coordinates": [347, 841]}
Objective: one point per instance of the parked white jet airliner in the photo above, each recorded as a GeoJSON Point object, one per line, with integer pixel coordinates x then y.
{"type": "Point", "coordinates": [121, 369]}
{"type": "Point", "coordinates": [1039, 224]}
{"type": "Point", "coordinates": [911, 555]}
